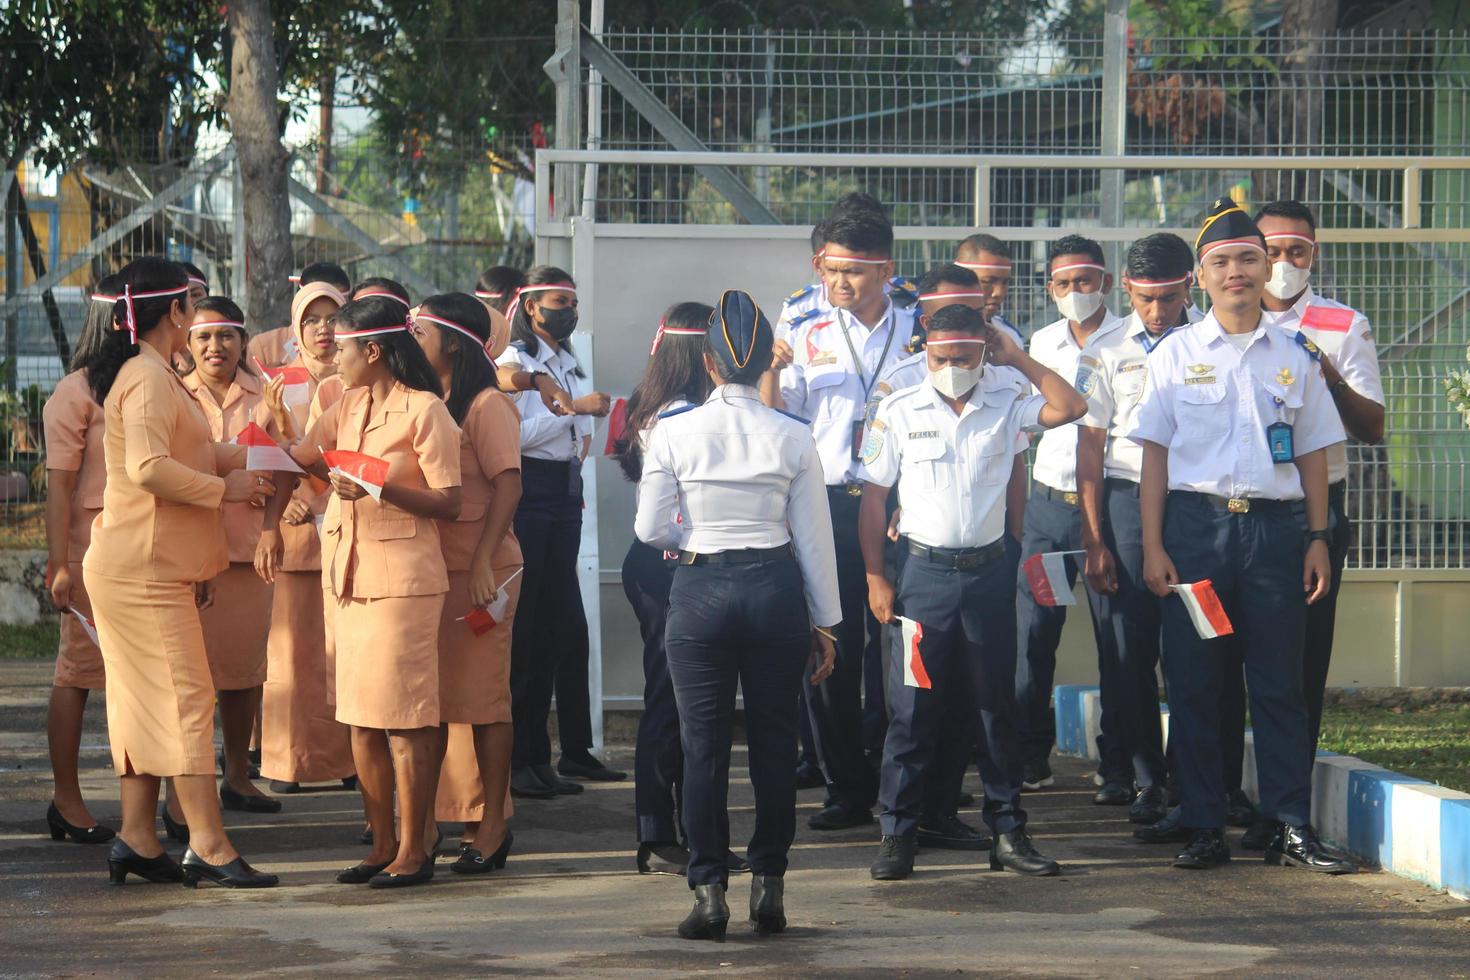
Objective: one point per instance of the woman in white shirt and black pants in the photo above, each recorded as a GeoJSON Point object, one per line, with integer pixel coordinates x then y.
{"type": "Point", "coordinates": [737, 489]}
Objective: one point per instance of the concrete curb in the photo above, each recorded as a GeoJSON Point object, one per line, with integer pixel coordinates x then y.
{"type": "Point", "coordinates": [1406, 826]}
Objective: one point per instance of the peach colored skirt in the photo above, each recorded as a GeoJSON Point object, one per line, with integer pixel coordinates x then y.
{"type": "Point", "coordinates": [160, 696]}
{"type": "Point", "coordinates": [301, 739]}
{"type": "Point", "coordinates": [388, 661]}
{"type": "Point", "coordinates": [461, 794]}
{"type": "Point", "coordinates": [474, 671]}
{"type": "Point", "coordinates": [236, 628]}
{"type": "Point", "coordinates": [78, 661]}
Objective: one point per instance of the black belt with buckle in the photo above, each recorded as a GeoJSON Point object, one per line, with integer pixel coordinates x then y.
{"type": "Point", "coordinates": [845, 489]}
{"type": "Point", "coordinates": [959, 557]}
{"type": "Point", "coordinates": [740, 556]}
{"type": "Point", "coordinates": [1068, 497]}
{"type": "Point", "coordinates": [1239, 505]}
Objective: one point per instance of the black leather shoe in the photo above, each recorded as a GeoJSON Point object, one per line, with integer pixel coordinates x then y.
{"type": "Point", "coordinates": [895, 859]}
{"type": "Point", "coordinates": [589, 768]}
{"type": "Point", "coordinates": [472, 862]}
{"type": "Point", "coordinates": [951, 834]}
{"type": "Point", "coordinates": [1206, 849]}
{"type": "Point", "coordinates": [1170, 830]}
{"type": "Point", "coordinates": [284, 787]}
{"type": "Point", "coordinates": [61, 830]}
{"type": "Point", "coordinates": [252, 760]}
{"type": "Point", "coordinates": [662, 858]}
{"type": "Point", "coordinates": [710, 915]}
{"type": "Point", "coordinates": [1015, 852]}
{"type": "Point", "coordinates": [1148, 806]}
{"type": "Point", "coordinates": [809, 776]}
{"type": "Point", "coordinates": [767, 904]}
{"type": "Point", "coordinates": [349, 783]}
{"type": "Point", "coordinates": [1036, 775]}
{"type": "Point", "coordinates": [366, 837]}
{"type": "Point", "coordinates": [1260, 835]}
{"type": "Point", "coordinates": [175, 830]}
{"type": "Point", "coordinates": [1239, 810]}
{"type": "Point", "coordinates": [966, 799]}
{"type": "Point", "coordinates": [385, 879]}
{"type": "Point", "coordinates": [559, 786]}
{"type": "Point", "coordinates": [231, 799]}
{"type": "Point", "coordinates": [526, 785]}
{"type": "Point", "coordinates": [237, 874]}
{"type": "Point", "coordinates": [735, 864]}
{"type": "Point", "coordinates": [360, 874]}
{"type": "Point", "coordinates": [1299, 847]}
{"type": "Point", "coordinates": [123, 861]}
{"type": "Point", "coordinates": [840, 816]}
{"type": "Point", "coordinates": [1113, 794]}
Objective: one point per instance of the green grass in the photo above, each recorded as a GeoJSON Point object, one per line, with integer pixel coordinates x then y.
{"type": "Point", "coordinates": [1429, 743]}
{"type": "Point", "coordinates": [25, 642]}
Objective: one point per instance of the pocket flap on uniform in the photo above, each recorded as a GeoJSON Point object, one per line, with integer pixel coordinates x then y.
{"type": "Point", "coordinates": [924, 449]}
{"type": "Point", "coordinates": [825, 377]}
{"type": "Point", "coordinates": [1290, 396]}
{"type": "Point", "coordinates": [389, 530]}
{"type": "Point", "coordinates": [1202, 394]}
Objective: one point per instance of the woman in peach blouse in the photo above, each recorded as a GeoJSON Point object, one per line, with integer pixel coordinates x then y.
{"type": "Point", "coordinates": [155, 547]}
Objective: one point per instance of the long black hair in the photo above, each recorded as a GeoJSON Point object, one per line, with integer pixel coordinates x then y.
{"type": "Point", "coordinates": [146, 275]}
{"type": "Point", "coordinates": [675, 370]}
{"type": "Point", "coordinates": [472, 371]}
{"type": "Point", "coordinates": [224, 308]}
{"type": "Point", "coordinates": [97, 324]}
{"type": "Point", "coordinates": [521, 329]}
{"type": "Point", "coordinates": [403, 355]}
{"type": "Point", "coordinates": [501, 283]}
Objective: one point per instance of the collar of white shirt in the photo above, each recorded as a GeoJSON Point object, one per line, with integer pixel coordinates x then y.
{"type": "Point", "coordinates": [1214, 334]}
{"type": "Point", "coordinates": [1295, 312]}
{"type": "Point", "coordinates": [727, 391]}
{"type": "Point", "coordinates": [994, 390]}
{"type": "Point", "coordinates": [1110, 322]}
{"type": "Point", "coordinates": [848, 321]}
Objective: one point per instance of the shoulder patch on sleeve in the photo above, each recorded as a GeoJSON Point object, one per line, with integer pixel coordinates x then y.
{"type": "Point", "coordinates": [792, 415]}
{"type": "Point", "coordinates": [1331, 319]}
{"type": "Point", "coordinates": [677, 411]}
{"type": "Point", "coordinates": [803, 291]}
{"type": "Point", "coordinates": [1305, 343]}
{"type": "Point", "coordinates": [873, 442]}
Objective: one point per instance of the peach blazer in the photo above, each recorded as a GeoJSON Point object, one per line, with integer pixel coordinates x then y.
{"type": "Point", "coordinates": [74, 430]}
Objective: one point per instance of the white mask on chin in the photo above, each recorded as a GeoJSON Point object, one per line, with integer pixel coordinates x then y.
{"type": "Point", "coordinates": [1077, 307]}
{"type": "Point", "coordinates": [955, 382]}
{"type": "Point", "coordinates": [1287, 280]}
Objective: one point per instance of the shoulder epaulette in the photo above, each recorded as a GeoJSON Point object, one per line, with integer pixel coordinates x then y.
{"type": "Point", "coordinates": [904, 291]}
{"type": "Point", "coordinates": [521, 346]}
{"type": "Point", "coordinates": [802, 318]}
{"type": "Point", "coordinates": [792, 415]}
{"type": "Point", "coordinates": [677, 411]}
{"type": "Point", "coordinates": [803, 291]}
{"type": "Point", "coordinates": [1305, 343]}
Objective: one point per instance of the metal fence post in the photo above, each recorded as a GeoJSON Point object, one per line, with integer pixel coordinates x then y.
{"type": "Point", "coordinates": [565, 69]}
{"type": "Point", "coordinates": [763, 119]}
{"type": "Point", "coordinates": [1114, 136]}
{"type": "Point", "coordinates": [12, 277]}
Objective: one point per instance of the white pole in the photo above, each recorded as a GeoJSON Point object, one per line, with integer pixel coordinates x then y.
{"type": "Point", "coordinates": [594, 119]}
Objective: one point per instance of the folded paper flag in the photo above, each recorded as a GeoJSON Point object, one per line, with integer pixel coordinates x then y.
{"type": "Point", "coordinates": [262, 452]}
{"type": "Point", "coordinates": [368, 472]}
{"type": "Point", "coordinates": [914, 674]}
{"type": "Point", "coordinates": [1047, 576]}
{"type": "Point", "coordinates": [297, 380]}
{"type": "Point", "coordinates": [1204, 608]}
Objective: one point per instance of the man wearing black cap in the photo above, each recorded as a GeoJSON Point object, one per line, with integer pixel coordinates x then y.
{"type": "Point", "coordinates": [1234, 422]}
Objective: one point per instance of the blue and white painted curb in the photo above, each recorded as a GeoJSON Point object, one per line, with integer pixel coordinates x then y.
{"type": "Point", "coordinates": [1406, 826]}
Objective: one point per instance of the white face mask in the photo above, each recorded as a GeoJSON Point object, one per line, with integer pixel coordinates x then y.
{"type": "Point", "coordinates": [1077, 307]}
{"type": "Point", "coordinates": [955, 382]}
{"type": "Point", "coordinates": [1287, 280]}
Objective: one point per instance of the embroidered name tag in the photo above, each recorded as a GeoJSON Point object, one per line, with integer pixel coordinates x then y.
{"type": "Point", "coordinates": [925, 434]}
{"type": "Point", "coordinates": [1125, 368]}
{"type": "Point", "coordinates": [1208, 379]}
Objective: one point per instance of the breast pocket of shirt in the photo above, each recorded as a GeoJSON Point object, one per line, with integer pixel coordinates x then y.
{"type": "Point", "coordinates": [991, 463]}
{"type": "Point", "coordinates": [823, 387]}
{"type": "Point", "coordinates": [1128, 386]}
{"type": "Point", "coordinates": [1202, 411]}
{"type": "Point", "coordinates": [1282, 402]}
{"type": "Point", "coordinates": [933, 462]}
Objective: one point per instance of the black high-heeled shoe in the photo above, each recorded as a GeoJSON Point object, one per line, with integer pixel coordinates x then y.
{"type": "Point", "coordinates": [61, 830]}
{"type": "Point", "coordinates": [175, 830]}
{"type": "Point", "coordinates": [424, 874]}
{"type": "Point", "coordinates": [232, 799]}
{"type": "Point", "coordinates": [360, 874]}
{"type": "Point", "coordinates": [471, 862]}
{"type": "Point", "coordinates": [767, 905]}
{"type": "Point", "coordinates": [236, 874]}
{"type": "Point", "coordinates": [709, 916]}
{"type": "Point", "coordinates": [124, 861]}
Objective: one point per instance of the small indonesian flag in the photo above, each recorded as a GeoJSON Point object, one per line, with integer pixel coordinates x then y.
{"type": "Point", "coordinates": [1333, 319]}
{"type": "Point", "coordinates": [483, 619]}
{"type": "Point", "coordinates": [617, 421]}
{"type": "Point", "coordinates": [368, 472]}
{"type": "Point", "coordinates": [87, 625]}
{"type": "Point", "coordinates": [914, 674]}
{"type": "Point", "coordinates": [261, 451]}
{"type": "Point", "coordinates": [1204, 608]}
{"type": "Point", "coordinates": [298, 383]}
{"type": "Point", "coordinates": [1047, 575]}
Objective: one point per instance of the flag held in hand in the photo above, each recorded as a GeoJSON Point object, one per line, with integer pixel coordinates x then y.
{"type": "Point", "coordinates": [914, 674]}
{"type": "Point", "coordinates": [368, 472]}
{"type": "Point", "coordinates": [617, 422]}
{"type": "Point", "coordinates": [297, 380]}
{"type": "Point", "coordinates": [261, 451]}
{"type": "Point", "coordinates": [483, 619]}
{"type": "Point", "coordinates": [1204, 608]}
{"type": "Point", "coordinates": [1047, 575]}
{"type": "Point", "coordinates": [89, 627]}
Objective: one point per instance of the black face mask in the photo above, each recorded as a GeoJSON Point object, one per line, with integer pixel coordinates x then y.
{"type": "Point", "coordinates": [559, 323]}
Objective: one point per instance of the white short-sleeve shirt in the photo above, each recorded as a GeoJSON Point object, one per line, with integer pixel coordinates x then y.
{"type": "Point", "coordinates": [544, 435]}
{"type": "Point", "coordinates": [1053, 345]}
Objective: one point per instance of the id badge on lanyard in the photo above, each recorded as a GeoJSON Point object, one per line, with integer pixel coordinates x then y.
{"type": "Point", "coordinates": [860, 423]}
{"type": "Point", "coordinates": [1279, 437]}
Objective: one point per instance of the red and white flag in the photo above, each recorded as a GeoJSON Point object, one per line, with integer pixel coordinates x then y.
{"type": "Point", "coordinates": [483, 619]}
{"type": "Point", "coordinates": [298, 383]}
{"type": "Point", "coordinates": [1204, 608]}
{"type": "Point", "coordinates": [261, 451]}
{"type": "Point", "coordinates": [368, 472]}
{"type": "Point", "coordinates": [1047, 575]}
{"type": "Point", "coordinates": [914, 674]}
{"type": "Point", "coordinates": [87, 625]}
{"type": "Point", "coordinates": [617, 421]}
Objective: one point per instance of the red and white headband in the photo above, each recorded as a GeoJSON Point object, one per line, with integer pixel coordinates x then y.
{"type": "Point", "coordinates": [665, 329]}
{"type": "Point", "coordinates": [1209, 247]}
{"type": "Point", "coordinates": [104, 298]}
{"type": "Point", "coordinates": [418, 313]}
{"type": "Point", "coordinates": [201, 324]}
{"type": "Point", "coordinates": [294, 279]}
{"type": "Point", "coordinates": [926, 297]}
{"type": "Point", "coordinates": [515, 303]}
{"type": "Point", "coordinates": [988, 266]}
{"type": "Point", "coordinates": [1159, 283]}
{"type": "Point", "coordinates": [860, 260]}
{"type": "Point", "coordinates": [1291, 234]}
{"type": "Point", "coordinates": [196, 281]}
{"type": "Point", "coordinates": [372, 331]}
{"type": "Point", "coordinates": [381, 292]}
{"type": "Point", "coordinates": [955, 340]}
{"type": "Point", "coordinates": [485, 294]}
{"type": "Point", "coordinates": [130, 317]}
{"type": "Point", "coordinates": [1079, 265]}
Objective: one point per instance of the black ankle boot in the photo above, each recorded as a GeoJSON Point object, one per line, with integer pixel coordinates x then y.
{"type": "Point", "coordinates": [710, 915]}
{"type": "Point", "coordinates": [767, 905]}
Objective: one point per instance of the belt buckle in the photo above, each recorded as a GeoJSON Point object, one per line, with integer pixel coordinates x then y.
{"type": "Point", "coordinates": [1238, 505]}
{"type": "Point", "coordinates": [1069, 497]}
{"type": "Point", "coordinates": [966, 561]}
{"type": "Point", "coordinates": [853, 489]}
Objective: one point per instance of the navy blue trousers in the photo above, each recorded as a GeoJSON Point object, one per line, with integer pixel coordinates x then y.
{"type": "Point", "coordinates": [968, 651]}
{"type": "Point", "coordinates": [1050, 525]}
{"type": "Point", "coordinates": [1130, 742]}
{"type": "Point", "coordinates": [1254, 561]}
{"type": "Point", "coordinates": [744, 625]}
{"type": "Point", "coordinates": [836, 705]}
{"type": "Point", "coordinates": [658, 763]}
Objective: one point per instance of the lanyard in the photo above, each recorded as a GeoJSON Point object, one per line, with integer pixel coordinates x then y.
{"type": "Point", "coordinates": [857, 362]}
{"type": "Point", "coordinates": [1148, 348]}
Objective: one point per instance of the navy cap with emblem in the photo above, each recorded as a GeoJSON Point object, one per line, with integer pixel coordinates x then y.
{"type": "Point", "coordinates": [739, 333]}
{"type": "Point", "coordinates": [1227, 224]}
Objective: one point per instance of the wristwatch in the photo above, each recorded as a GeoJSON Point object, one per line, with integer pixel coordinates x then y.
{"type": "Point", "coordinates": [534, 375]}
{"type": "Point", "coordinates": [1339, 385]}
{"type": "Point", "coordinates": [1321, 535]}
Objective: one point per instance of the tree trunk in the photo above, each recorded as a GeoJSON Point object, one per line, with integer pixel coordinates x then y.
{"type": "Point", "coordinates": [1296, 113]}
{"type": "Point", "coordinates": [255, 123]}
